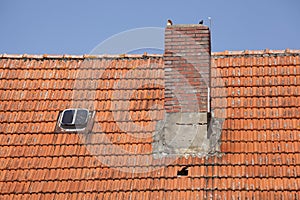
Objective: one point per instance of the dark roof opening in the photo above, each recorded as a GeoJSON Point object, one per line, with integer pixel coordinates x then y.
{"type": "Point", "coordinates": [183, 172]}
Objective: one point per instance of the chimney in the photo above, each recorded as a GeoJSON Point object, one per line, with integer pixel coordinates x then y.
{"type": "Point", "coordinates": [187, 68]}
{"type": "Point", "coordinates": [184, 130]}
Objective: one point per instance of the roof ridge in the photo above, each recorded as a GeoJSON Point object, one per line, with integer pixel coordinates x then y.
{"type": "Point", "coordinates": [256, 52]}
{"type": "Point", "coordinates": [145, 55]}
{"type": "Point", "coordinates": [84, 56]}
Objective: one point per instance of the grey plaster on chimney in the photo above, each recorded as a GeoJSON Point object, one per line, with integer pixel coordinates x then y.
{"type": "Point", "coordinates": [187, 134]}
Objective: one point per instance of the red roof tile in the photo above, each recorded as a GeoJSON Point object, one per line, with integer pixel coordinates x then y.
{"type": "Point", "coordinates": [256, 91]}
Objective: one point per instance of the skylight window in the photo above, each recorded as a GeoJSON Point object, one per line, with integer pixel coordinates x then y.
{"type": "Point", "coordinates": [71, 119]}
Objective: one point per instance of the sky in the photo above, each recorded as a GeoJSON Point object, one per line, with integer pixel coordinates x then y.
{"type": "Point", "coordinates": [77, 27]}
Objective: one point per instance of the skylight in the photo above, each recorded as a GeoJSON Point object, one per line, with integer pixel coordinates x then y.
{"type": "Point", "coordinates": [74, 118]}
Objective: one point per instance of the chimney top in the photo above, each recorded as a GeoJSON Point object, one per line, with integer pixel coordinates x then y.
{"type": "Point", "coordinates": [187, 25]}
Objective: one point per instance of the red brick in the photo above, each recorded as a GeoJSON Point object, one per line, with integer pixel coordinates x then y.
{"type": "Point", "coordinates": [189, 42]}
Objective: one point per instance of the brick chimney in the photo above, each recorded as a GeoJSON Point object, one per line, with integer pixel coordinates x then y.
{"type": "Point", "coordinates": [184, 130]}
{"type": "Point", "coordinates": [187, 68]}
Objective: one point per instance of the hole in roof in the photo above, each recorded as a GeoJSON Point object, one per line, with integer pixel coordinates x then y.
{"type": "Point", "coordinates": [183, 172]}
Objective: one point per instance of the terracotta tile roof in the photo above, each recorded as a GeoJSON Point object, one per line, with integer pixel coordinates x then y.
{"type": "Point", "coordinates": [256, 91]}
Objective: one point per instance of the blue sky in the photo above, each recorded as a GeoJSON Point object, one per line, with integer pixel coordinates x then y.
{"type": "Point", "coordinates": [76, 27]}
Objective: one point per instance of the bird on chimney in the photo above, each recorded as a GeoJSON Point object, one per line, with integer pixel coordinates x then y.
{"type": "Point", "coordinates": [201, 22]}
{"type": "Point", "coordinates": [170, 23]}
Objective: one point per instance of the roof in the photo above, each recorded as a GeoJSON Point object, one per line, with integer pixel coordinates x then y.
{"type": "Point", "coordinates": [256, 91]}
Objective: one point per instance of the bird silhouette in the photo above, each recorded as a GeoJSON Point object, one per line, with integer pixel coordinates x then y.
{"type": "Point", "coordinates": [170, 23]}
{"type": "Point", "coordinates": [201, 22]}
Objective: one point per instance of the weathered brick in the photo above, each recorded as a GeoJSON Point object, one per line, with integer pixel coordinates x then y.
{"type": "Point", "coordinates": [187, 68]}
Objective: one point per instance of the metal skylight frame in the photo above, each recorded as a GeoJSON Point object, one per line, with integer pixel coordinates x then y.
{"type": "Point", "coordinates": [73, 126]}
